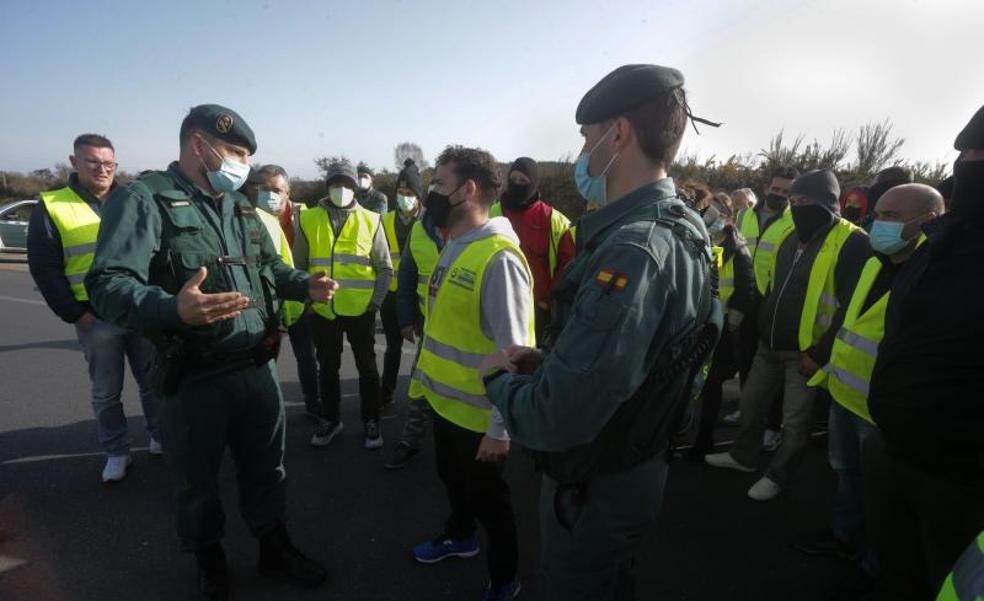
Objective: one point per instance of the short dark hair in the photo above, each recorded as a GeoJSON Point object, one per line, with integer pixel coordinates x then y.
{"type": "Point", "coordinates": [270, 171]}
{"type": "Point", "coordinates": [659, 124]}
{"type": "Point", "coordinates": [896, 174]}
{"type": "Point", "coordinates": [784, 172]}
{"type": "Point", "coordinates": [474, 164]}
{"type": "Point", "coordinates": [188, 126]}
{"type": "Point", "coordinates": [94, 140]}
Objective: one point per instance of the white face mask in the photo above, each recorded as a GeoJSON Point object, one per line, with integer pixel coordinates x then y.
{"type": "Point", "coordinates": [406, 203]}
{"type": "Point", "coordinates": [340, 196]}
{"type": "Point", "coordinates": [365, 182]}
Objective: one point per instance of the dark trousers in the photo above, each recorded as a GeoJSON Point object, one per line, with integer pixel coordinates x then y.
{"type": "Point", "coordinates": [476, 490]}
{"type": "Point", "coordinates": [307, 366]}
{"type": "Point", "coordinates": [723, 367]}
{"type": "Point", "coordinates": [361, 334]}
{"type": "Point", "coordinates": [394, 346]}
{"type": "Point", "coordinates": [919, 523]}
{"type": "Point", "coordinates": [243, 410]}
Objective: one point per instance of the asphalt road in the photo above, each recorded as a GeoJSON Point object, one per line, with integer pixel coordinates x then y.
{"type": "Point", "coordinates": [65, 536]}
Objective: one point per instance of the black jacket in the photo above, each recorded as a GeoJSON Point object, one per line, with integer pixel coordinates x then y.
{"type": "Point", "coordinates": [927, 389]}
{"type": "Point", "coordinates": [745, 297]}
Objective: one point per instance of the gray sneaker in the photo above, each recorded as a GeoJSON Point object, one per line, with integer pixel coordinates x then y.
{"type": "Point", "coordinates": [326, 432]}
{"type": "Point", "coordinates": [374, 440]}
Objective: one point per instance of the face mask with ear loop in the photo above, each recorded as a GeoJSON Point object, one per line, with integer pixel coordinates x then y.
{"type": "Point", "coordinates": [593, 187]}
{"type": "Point", "coordinates": [231, 174]}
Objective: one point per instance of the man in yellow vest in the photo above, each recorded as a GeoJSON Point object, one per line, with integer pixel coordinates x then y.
{"type": "Point", "coordinates": [268, 187]}
{"type": "Point", "coordinates": [61, 243]}
{"type": "Point", "coordinates": [397, 225]}
{"type": "Point", "coordinates": [346, 241]}
{"type": "Point", "coordinates": [816, 270]}
{"type": "Point", "coordinates": [895, 234]}
{"type": "Point", "coordinates": [479, 299]}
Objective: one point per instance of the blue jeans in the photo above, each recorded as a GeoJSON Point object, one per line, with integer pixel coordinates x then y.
{"type": "Point", "coordinates": [307, 367]}
{"type": "Point", "coordinates": [106, 346]}
{"type": "Point", "coordinates": [847, 433]}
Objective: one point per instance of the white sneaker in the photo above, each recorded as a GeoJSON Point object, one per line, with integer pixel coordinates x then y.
{"type": "Point", "coordinates": [115, 469]}
{"type": "Point", "coordinates": [771, 439]}
{"type": "Point", "coordinates": [326, 432]}
{"type": "Point", "coordinates": [155, 447]}
{"type": "Point", "coordinates": [765, 489]}
{"type": "Point", "coordinates": [733, 418]}
{"type": "Point", "coordinates": [725, 460]}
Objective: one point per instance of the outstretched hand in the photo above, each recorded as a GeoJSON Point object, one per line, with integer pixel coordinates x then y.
{"type": "Point", "coordinates": [321, 288]}
{"type": "Point", "coordinates": [197, 308]}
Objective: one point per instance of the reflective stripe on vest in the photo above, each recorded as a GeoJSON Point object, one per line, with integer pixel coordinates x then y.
{"type": "Point", "coordinates": [424, 252]}
{"type": "Point", "coordinates": [820, 303]}
{"type": "Point", "coordinates": [292, 310]}
{"type": "Point", "coordinates": [346, 259]}
{"type": "Point", "coordinates": [454, 343]}
{"type": "Point", "coordinates": [847, 376]}
{"type": "Point", "coordinates": [389, 225]}
{"type": "Point", "coordinates": [78, 227]}
{"type": "Point", "coordinates": [764, 245]}
{"type": "Point", "coordinates": [966, 582]}
{"type": "Point", "coordinates": [726, 281]}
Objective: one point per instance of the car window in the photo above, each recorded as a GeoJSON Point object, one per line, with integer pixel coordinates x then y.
{"type": "Point", "coordinates": [19, 213]}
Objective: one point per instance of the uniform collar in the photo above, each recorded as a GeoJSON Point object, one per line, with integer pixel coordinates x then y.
{"type": "Point", "coordinates": [186, 184]}
{"type": "Point", "coordinates": [610, 214]}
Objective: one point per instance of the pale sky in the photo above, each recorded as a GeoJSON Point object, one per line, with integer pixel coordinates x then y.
{"type": "Point", "coordinates": [356, 78]}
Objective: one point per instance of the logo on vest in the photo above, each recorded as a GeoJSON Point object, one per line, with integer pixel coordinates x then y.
{"type": "Point", "coordinates": [463, 278]}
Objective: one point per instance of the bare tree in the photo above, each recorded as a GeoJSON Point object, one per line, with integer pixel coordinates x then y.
{"type": "Point", "coordinates": [323, 162]}
{"type": "Point", "coordinates": [778, 154]}
{"type": "Point", "coordinates": [409, 150]}
{"type": "Point", "coordinates": [877, 148]}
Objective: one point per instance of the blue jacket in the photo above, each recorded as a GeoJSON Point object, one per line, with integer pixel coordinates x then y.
{"type": "Point", "coordinates": [407, 307]}
{"type": "Point", "coordinates": [46, 259]}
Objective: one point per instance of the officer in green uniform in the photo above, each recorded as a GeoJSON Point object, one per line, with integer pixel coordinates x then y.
{"type": "Point", "coordinates": [636, 318]}
{"type": "Point", "coordinates": [183, 257]}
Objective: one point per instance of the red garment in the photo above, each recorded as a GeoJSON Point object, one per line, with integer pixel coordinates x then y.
{"type": "Point", "coordinates": [287, 222]}
{"type": "Point", "coordinates": [532, 225]}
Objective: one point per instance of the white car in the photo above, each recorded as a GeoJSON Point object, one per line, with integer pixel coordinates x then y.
{"type": "Point", "coordinates": [14, 217]}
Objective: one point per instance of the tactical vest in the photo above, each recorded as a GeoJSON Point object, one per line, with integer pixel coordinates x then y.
{"type": "Point", "coordinates": [347, 258]}
{"type": "Point", "coordinates": [189, 242]}
{"type": "Point", "coordinates": [642, 426]}
{"type": "Point", "coordinates": [78, 228]}
{"type": "Point", "coordinates": [292, 309]}
{"type": "Point", "coordinates": [454, 344]}
{"type": "Point", "coordinates": [765, 244]}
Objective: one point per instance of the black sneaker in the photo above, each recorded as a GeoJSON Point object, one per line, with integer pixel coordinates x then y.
{"type": "Point", "coordinates": [213, 575]}
{"type": "Point", "coordinates": [280, 560]}
{"type": "Point", "coordinates": [826, 544]}
{"type": "Point", "coordinates": [326, 432]}
{"type": "Point", "coordinates": [374, 440]}
{"type": "Point", "coordinates": [401, 456]}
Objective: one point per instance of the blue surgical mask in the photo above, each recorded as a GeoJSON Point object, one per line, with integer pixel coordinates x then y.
{"type": "Point", "coordinates": [270, 202]}
{"type": "Point", "coordinates": [886, 236]}
{"type": "Point", "coordinates": [593, 187]}
{"type": "Point", "coordinates": [230, 176]}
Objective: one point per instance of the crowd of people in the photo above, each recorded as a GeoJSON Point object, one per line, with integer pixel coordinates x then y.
{"type": "Point", "coordinates": [583, 343]}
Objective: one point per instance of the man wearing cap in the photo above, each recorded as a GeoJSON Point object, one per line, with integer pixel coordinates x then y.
{"type": "Point", "coordinates": [369, 197]}
{"type": "Point", "coordinates": [544, 234]}
{"type": "Point", "coordinates": [816, 270]}
{"type": "Point", "coordinates": [637, 318]}
{"type": "Point", "coordinates": [346, 241]}
{"type": "Point", "coordinates": [184, 257]}
{"type": "Point", "coordinates": [61, 240]}
{"type": "Point", "coordinates": [924, 476]}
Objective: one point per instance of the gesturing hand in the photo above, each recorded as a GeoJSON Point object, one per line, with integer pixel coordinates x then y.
{"type": "Point", "coordinates": [492, 450]}
{"type": "Point", "coordinates": [196, 308]}
{"type": "Point", "coordinates": [321, 288]}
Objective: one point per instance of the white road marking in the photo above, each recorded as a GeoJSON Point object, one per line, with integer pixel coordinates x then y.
{"type": "Point", "coordinates": [26, 301]}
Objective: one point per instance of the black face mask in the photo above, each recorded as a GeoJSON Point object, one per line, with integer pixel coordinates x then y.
{"type": "Point", "coordinates": [967, 201]}
{"type": "Point", "coordinates": [518, 196]}
{"type": "Point", "coordinates": [439, 206]}
{"type": "Point", "coordinates": [809, 219]}
{"type": "Point", "coordinates": [852, 214]}
{"type": "Point", "coordinates": [774, 202]}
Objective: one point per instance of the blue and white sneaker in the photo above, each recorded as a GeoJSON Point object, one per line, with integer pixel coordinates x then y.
{"type": "Point", "coordinates": [443, 547]}
{"type": "Point", "coordinates": [503, 592]}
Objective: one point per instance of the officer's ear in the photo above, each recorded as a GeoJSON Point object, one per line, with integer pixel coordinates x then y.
{"type": "Point", "coordinates": [622, 134]}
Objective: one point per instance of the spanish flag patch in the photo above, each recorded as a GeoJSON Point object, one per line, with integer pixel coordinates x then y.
{"type": "Point", "coordinates": [611, 280]}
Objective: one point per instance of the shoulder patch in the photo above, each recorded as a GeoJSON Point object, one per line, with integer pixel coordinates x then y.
{"type": "Point", "coordinates": [611, 280]}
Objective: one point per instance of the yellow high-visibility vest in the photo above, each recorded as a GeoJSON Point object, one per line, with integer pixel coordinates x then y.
{"type": "Point", "coordinates": [389, 226]}
{"type": "Point", "coordinates": [764, 245]}
{"type": "Point", "coordinates": [726, 276]}
{"type": "Point", "coordinates": [425, 255]}
{"type": "Point", "coordinates": [78, 227]}
{"type": "Point", "coordinates": [347, 258]}
{"type": "Point", "coordinates": [964, 582]}
{"type": "Point", "coordinates": [821, 301]}
{"type": "Point", "coordinates": [847, 376]}
{"type": "Point", "coordinates": [559, 224]}
{"type": "Point", "coordinates": [292, 310]}
{"type": "Point", "coordinates": [454, 343]}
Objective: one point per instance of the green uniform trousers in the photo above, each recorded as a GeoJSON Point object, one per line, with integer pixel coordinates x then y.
{"type": "Point", "coordinates": [243, 409]}
{"type": "Point", "coordinates": [594, 560]}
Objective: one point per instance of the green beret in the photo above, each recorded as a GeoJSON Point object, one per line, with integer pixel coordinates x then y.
{"type": "Point", "coordinates": [624, 89]}
{"type": "Point", "coordinates": [223, 123]}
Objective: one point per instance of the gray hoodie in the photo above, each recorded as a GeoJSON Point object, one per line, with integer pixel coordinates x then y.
{"type": "Point", "coordinates": [506, 296]}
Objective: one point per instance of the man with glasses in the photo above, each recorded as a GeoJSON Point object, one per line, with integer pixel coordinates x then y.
{"type": "Point", "coordinates": [61, 242]}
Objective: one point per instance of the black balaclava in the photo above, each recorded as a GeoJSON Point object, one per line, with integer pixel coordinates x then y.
{"type": "Point", "coordinates": [967, 202]}
{"type": "Point", "coordinates": [519, 196]}
{"type": "Point", "coordinates": [822, 188]}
